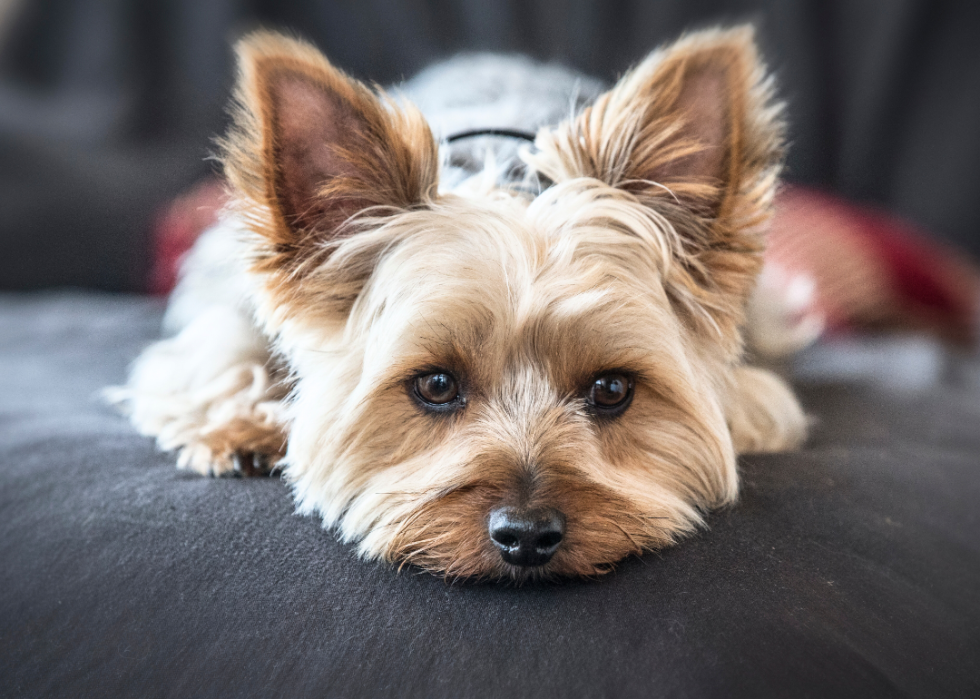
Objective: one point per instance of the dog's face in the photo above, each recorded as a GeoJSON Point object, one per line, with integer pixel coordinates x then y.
{"type": "Point", "coordinates": [492, 385]}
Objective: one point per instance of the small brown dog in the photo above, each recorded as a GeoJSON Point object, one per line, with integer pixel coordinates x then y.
{"type": "Point", "coordinates": [484, 381]}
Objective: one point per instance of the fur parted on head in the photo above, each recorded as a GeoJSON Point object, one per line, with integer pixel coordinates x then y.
{"type": "Point", "coordinates": [637, 263]}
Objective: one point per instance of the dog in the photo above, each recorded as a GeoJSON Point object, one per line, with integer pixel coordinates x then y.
{"type": "Point", "coordinates": [530, 370]}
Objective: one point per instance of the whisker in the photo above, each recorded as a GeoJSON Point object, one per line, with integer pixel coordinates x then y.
{"type": "Point", "coordinates": [627, 535]}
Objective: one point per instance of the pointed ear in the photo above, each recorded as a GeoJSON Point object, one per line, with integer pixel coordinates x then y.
{"type": "Point", "coordinates": [694, 132]}
{"type": "Point", "coordinates": [311, 147]}
{"type": "Point", "coordinates": [697, 118]}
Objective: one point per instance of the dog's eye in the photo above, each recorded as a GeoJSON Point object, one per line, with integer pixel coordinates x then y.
{"type": "Point", "coordinates": [610, 394]}
{"type": "Point", "coordinates": [438, 388]}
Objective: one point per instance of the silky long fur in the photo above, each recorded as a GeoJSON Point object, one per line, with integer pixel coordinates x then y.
{"type": "Point", "coordinates": [358, 274]}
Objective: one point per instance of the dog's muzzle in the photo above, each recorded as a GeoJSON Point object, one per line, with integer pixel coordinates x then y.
{"type": "Point", "coordinates": [526, 538]}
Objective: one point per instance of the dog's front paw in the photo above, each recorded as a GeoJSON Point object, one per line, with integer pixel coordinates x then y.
{"type": "Point", "coordinates": [244, 462]}
{"type": "Point", "coordinates": [249, 464]}
{"type": "Point", "coordinates": [200, 458]}
{"type": "Point", "coordinates": [763, 414]}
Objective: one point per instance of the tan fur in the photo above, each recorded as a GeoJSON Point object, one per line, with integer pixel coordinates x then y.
{"type": "Point", "coordinates": [640, 257]}
{"type": "Point", "coordinates": [211, 392]}
{"type": "Point", "coordinates": [371, 155]}
{"type": "Point", "coordinates": [652, 135]}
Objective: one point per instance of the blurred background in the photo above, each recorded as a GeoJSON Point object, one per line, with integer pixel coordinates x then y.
{"type": "Point", "coordinates": [108, 107]}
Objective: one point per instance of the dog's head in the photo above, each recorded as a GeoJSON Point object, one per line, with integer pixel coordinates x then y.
{"type": "Point", "coordinates": [493, 385]}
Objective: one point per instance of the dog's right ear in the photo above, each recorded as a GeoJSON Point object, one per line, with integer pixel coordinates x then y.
{"type": "Point", "coordinates": [311, 147]}
{"type": "Point", "coordinates": [695, 132]}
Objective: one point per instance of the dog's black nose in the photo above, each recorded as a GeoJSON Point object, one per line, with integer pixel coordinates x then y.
{"type": "Point", "coordinates": [526, 538]}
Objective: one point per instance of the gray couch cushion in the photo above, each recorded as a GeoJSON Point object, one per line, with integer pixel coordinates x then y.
{"type": "Point", "coordinates": [851, 568]}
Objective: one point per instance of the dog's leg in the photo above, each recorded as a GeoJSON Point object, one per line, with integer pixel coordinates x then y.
{"type": "Point", "coordinates": [210, 393]}
{"type": "Point", "coordinates": [763, 414]}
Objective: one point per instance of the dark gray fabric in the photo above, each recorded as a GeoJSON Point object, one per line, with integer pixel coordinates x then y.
{"type": "Point", "coordinates": [851, 568]}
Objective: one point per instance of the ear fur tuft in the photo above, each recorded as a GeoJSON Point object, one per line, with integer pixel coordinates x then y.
{"type": "Point", "coordinates": [695, 132]}
{"type": "Point", "coordinates": [311, 147]}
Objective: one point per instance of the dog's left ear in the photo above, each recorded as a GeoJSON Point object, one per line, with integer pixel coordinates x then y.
{"type": "Point", "coordinates": [694, 131]}
{"type": "Point", "coordinates": [310, 147]}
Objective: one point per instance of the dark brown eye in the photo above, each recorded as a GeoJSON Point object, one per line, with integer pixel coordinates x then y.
{"type": "Point", "coordinates": [611, 393]}
{"type": "Point", "coordinates": [437, 389]}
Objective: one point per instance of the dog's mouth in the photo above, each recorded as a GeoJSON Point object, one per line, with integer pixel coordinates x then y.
{"type": "Point", "coordinates": [476, 533]}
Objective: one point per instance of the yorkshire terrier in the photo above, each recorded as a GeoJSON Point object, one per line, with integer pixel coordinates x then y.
{"type": "Point", "coordinates": [533, 371]}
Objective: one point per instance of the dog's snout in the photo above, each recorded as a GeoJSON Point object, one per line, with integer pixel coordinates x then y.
{"type": "Point", "coordinates": [526, 538]}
